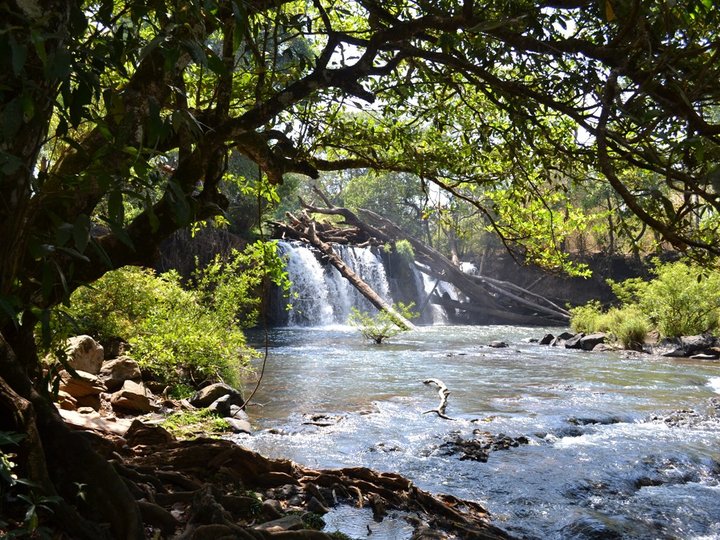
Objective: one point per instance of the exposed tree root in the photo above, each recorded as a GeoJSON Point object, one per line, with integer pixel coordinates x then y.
{"type": "Point", "coordinates": [226, 506]}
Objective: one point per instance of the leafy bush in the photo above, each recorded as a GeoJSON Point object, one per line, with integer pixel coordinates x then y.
{"type": "Point", "coordinates": [585, 318]}
{"type": "Point", "coordinates": [382, 325]}
{"type": "Point", "coordinates": [183, 337]}
{"type": "Point", "coordinates": [681, 299]}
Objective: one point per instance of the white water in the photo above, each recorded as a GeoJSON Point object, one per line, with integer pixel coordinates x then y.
{"type": "Point", "coordinates": [601, 463]}
{"type": "Point", "coordinates": [320, 296]}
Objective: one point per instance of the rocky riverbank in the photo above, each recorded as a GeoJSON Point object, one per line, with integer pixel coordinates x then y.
{"type": "Point", "coordinates": [206, 489]}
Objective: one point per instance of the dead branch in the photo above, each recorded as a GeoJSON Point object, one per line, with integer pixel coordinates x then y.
{"type": "Point", "coordinates": [443, 393]}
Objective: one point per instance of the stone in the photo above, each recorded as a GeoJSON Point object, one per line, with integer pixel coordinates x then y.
{"type": "Point", "coordinates": [115, 372]}
{"type": "Point", "coordinates": [603, 347]}
{"type": "Point", "coordinates": [206, 396]}
{"type": "Point", "coordinates": [588, 343]}
{"type": "Point", "coordinates": [81, 385]}
{"type": "Point", "coordinates": [574, 341]}
{"type": "Point", "coordinates": [133, 398]}
{"type": "Point", "coordinates": [84, 354]}
{"type": "Point", "coordinates": [239, 426]}
{"type": "Point", "coordinates": [223, 405]}
{"type": "Point", "coordinates": [140, 433]}
{"type": "Point", "coordinates": [238, 412]}
{"type": "Point", "coordinates": [692, 345]}
{"type": "Point", "coordinates": [315, 506]}
{"type": "Point", "coordinates": [547, 339]}
{"type": "Point", "coordinates": [498, 344]}
{"type": "Point", "coordinates": [291, 522]}
{"type": "Point", "coordinates": [564, 336]}
{"type": "Point", "coordinates": [93, 420]}
{"type": "Point", "coordinates": [66, 401]}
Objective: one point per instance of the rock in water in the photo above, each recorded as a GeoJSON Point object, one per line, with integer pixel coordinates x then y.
{"type": "Point", "coordinates": [588, 343]}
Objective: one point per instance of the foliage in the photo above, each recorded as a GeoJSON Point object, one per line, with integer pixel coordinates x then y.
{"type": "Point", "coordinates": [197, 423]}
{"type": "Point", "coordinates": [173, 334]}
{"type": "Point", "coordinates": [682, 299]}
{"type": "Point", "coordinates": [382, 325]}
{"type": "Point", "coordinates": [30, 501]}
{"type": "Point", "coordinates": [627, 325]}
{"type": "Point", "coordinates": [232, 286]}
{"type": "Point", "coordinates": [405, 250]}
{"type": "Point", "coordinates": [585, 318]}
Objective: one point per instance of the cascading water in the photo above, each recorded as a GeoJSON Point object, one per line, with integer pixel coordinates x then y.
{"type": "Point", "coordinates": [320, 296]}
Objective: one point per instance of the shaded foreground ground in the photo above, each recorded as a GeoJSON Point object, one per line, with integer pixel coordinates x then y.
{"type": "Point", "coordinates": [213, 489]}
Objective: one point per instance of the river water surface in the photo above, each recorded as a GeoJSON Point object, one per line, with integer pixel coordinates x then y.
{"type": "Point", "coordinates": [620, 445]}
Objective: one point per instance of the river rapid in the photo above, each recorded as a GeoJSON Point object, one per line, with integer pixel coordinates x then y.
{"type": "Point", "coordinates": [619, 445]}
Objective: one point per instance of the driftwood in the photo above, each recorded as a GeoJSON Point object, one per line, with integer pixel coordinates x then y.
{"type": "Point", "coordinates": [443, 393]}
{"type": "Point", "coordinates": [495, 300]}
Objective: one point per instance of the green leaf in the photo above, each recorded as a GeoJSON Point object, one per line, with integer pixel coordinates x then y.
{"type": "Point", "coordinates": [19, 55]}
{"type": "Point", "coordinates": [116, 209]}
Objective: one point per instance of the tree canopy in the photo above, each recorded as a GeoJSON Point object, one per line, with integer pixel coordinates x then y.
{"type": "Point", "coordinates": [118, 119]}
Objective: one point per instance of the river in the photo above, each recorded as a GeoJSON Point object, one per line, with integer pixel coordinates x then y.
{"type": "Point", "coordinates": [609, 453]}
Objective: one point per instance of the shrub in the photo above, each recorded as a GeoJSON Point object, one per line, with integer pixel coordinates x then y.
{"type": "Point", "coordinates": [585, 318]}
{"type": "Point", "coordinates": [682, 300]}
{"type": "Point", "coordinates": [382, 325]}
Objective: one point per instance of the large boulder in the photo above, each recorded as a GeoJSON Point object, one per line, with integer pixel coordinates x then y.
{"type": "Point", "coordinates": [547, 339]}
{"type": "Point", "coordinates": [133, 397]}
{"type": "Point", "coordinates": [224, 405]}
{"type": "Point", "coordinates": [588, 343]}
{"type": "Point", "coordinates": [115, 372]}
{"type": "Point", "coordinates": [574, 341]}
{"type": "Point", "coordinates": [82, 384]}
{"type": "Point", "coordinates": [84, 354]}
{"type": "Point", "coordinates": [206, 396]}
{"type": "Point", "coordinates": [691, 345]}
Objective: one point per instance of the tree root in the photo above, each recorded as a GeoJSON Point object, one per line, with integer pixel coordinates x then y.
{"type": "Point", "coordinates": [232, 478]}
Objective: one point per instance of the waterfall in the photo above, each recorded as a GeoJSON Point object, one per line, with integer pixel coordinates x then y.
{"type": "Point", "coordinates": [320, 296]}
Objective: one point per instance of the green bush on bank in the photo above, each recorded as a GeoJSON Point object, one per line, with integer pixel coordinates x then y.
{"type": "Point", "coordinates": [681, 299]}
{"type": "Point", "coordinates": [182, 336]}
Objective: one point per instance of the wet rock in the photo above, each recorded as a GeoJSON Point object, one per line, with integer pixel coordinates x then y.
{"type": "Point", "coordinates": [206, 396]}
{"type": "Point", "coordinates": [497, 344]}
{"type": "Point", "coordinates": [603, 347]}
{"type": "Point", "coordinates": [589, 529]}
{"type": "Point", "coordinates": [272, 509]}
{"type": "Point", "coordinates": [115, 372]}
{"type": "Point", "coordinates": [589, 342]}
{"type": "Point", "coordinates": [547, 339]}
{"type": "Point", "coordinates": [574, 341]}
{"type": "Point", "coordinates": [133, 397]}
{"type": "Point", "coordinates": [479, 448]}
{"type": "Point", "coordinates": [691, 345]}
{"type": "Point", "coordinates": [239, 426]}
{"type": "Point", "coordinates": [706, 356]}
{"type": "Point", "coordinates": [315, 506]}
{"type": "Point", "coordinates": [84, 354]}
{"type": "Point", "coordinates": [322, 420]}
{"type": "Point", "coordinates": [606, 421]}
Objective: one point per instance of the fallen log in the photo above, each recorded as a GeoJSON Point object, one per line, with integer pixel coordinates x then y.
{"type": "Point", "coordinates": [309, 234]}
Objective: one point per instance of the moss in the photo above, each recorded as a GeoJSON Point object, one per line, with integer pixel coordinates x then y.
{"type": "Point", "coordinates": [192, 424]}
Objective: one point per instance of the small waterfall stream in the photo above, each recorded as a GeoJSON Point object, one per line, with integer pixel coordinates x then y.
{"type": "Point", "coordinates": [320, 296]}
